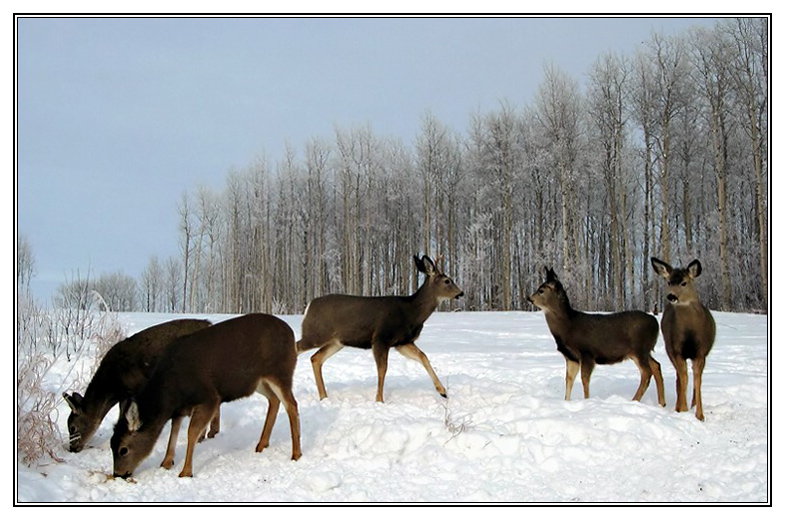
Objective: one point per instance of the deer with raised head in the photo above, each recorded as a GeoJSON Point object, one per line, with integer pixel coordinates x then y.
{"type": "Point", "coordinates": [196, 373]}
{"type": "Point", "coordinates": [688, 329]}
{"type": "Point", "coordinates": [586, 340]}
{"type": "Point", "coordinates": [122, 373]}
{"type": "Point", "coordinates": [378, 323]}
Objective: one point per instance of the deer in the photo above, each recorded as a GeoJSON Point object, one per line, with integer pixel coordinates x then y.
{"type": "Point", "coordinates": [586, 340]}
{"type": "Point", "coordinates": [688, 329]}
{"type": "Point", "coordinates": [122, 373]}
{"type": "Point", "coordinates": [379, 323]}
{"type": "Point", "coordinates": [196, 373]}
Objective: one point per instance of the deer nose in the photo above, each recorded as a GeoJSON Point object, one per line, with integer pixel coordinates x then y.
{"type": "Point", "coordinates": [459, 295]}
{"type": "Point", "coordinates": [672, 298]}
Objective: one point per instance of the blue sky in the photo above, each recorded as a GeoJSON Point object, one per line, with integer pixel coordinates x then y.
{"type": "Point", "coordinates": [118, 116]}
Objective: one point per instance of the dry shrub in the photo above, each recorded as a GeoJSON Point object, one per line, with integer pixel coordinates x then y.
{"type": "Point", "coordinates": [36, 429]}
{"type": "Point", "coordinates": [44, 337]}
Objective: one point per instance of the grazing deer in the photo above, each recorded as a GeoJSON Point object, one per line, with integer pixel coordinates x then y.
{"type": "Point", "coordinates": [688, 329]}
{"type": "Point", "coordinates": [588, 339]}
{"type": "Point", "coordinates": [122, 373]}
{"type": "Point", "coordinates": [197, 373]}
{"type": "Point", "coordinates": [377, 323]}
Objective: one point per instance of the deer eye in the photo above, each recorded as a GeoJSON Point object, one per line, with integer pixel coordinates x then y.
{"type": "Point", "coordinates": [684, 284]}
{"type": "Point", "coordinates": [123, 451]}
{"type": "Point", "coordinates": [541, 291]}
{"type": "Point", "coordinates": [447, 282]}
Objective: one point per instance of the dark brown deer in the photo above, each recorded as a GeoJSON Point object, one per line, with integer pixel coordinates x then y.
{"type": "Point", "coordinates": [122, 373]}
{"type": "Point", "coordinates": [589, 339]}
{"type": "Point", "coordinates": [377, 323]}
{"type": "Point", "coordinates": [197, 373]}
{"type": "Point", "coordinates": [688, 329]}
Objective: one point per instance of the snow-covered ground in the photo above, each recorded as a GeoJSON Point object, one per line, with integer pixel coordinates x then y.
{"type": "Point", "coordinates": [504, 435]}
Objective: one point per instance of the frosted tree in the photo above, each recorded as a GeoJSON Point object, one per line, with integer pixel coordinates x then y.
{"type": "Point", "coordinates": [152, 286]}
{"type": "Point", "coordinates": [749, 73]}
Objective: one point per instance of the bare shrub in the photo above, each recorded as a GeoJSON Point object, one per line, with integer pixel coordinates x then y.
{"type": "Point", "coordinates": [44, 337]}
{"type": "Point", "coordinates": [107, 333]}
{"type": "Point", "coordinates": [36, 429]}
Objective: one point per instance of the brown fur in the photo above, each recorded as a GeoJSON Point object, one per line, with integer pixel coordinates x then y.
{"type": "Point", "coordinates": [688, 329]}
{"type": "Point", "coordinates": [122, 373]}
{"type": "Point", "coordinates": [588, 339]}
{"type": "Point", "coordinates": [334, 321]}
{"type": "Point", "coordinates": [197, 373]}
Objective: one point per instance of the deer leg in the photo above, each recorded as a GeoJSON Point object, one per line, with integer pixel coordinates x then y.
{"type": "Point", "coordinates": [645, 370]}
{"type": "Point", "coordinates": [318, 359]}
{"type": "Point", "coordinates": [656, 370]}
{"type": "Point", "coordinates": [215, 427]}
{"type": "Point", "coordinates": [587, 366]}
{"type": "Point", "coordinates": [200, 418]}
{"type": "Point", "coordinates": [215, 424]}
{"type": "Point", "coordinates": [286, 396]}
{"type": "Point", "coordinates": [272, 413]}
{"type": "Point", "coordinates": [168, 461]}
{"type": "Point", "coordinates": [681, 383]}
{"type": "Point", "coordinates": [572, 371]}
{"type": "Point", "coordinates": [697, 378]}
{"type": "Point", "coordinates": [411, 351]}
{"type": "Point", "coordinates": [380, 353]}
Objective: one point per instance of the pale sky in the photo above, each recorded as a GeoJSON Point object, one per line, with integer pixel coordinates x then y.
{"type": "Point", "coordinates": [118, 116]}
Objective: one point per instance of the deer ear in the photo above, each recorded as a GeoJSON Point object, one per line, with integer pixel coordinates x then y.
{"type": "Point", "coordinates": [424, 265]}
{"type": "Point", "coordinates": [74, 402]}
{"type": "Point", "coordinates": [430, 267]}
{"type": "Point", "coordinates": [661, 268]}
{"type": "Point", "coordinates": [132, 416]}
{"type": "Point", "coordinates": [695, 268]}
{"type": "Point", "coordinates": [550, 275]}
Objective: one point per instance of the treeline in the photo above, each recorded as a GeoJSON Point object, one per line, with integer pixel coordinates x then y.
{"type": "Point", "coordinates": [662, 153]}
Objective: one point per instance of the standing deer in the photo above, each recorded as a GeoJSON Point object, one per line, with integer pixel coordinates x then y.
{"type": "Point", "coordinates": [197, 373]}
{"type": "Point", "coordinates": [688, 329]}
{"type": "Point", "coordinates": [377, 323]}
{"type": "Point", "coordinates": [588, 339]}
{"type": "Point", "coordinates": [122, 373]}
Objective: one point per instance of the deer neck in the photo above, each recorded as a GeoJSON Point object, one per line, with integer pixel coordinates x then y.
{"type": "Point", "coordinates": [424, 302]}
{"type": "Point", "coordinates": [99, 397]}
{"type": "Point", "coordinates": [560, 316]}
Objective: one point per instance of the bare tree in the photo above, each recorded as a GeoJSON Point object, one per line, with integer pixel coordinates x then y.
{"type": "Point", "coordinates": [25, 263]}
{"type": "Point", "coordinates": [172, 283]}
{"type": "Point", "coordinates": [712, 56]}
{"type": "Point", "coordinates": [607, 110]}
{"type": "Point", "coordinates": [749, 72]}
{"type": "Point", "coordinates": [557, 110]}
{"type": "Point", "coordinates": [152, 286]}
{"type": "Point", "coordinates": [186, 243]}
{"type": "Point", "coordinates": [669, 81]}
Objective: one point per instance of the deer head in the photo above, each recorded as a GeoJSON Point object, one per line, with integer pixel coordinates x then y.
{"type": "Point", "coordinates": [681, 289]}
